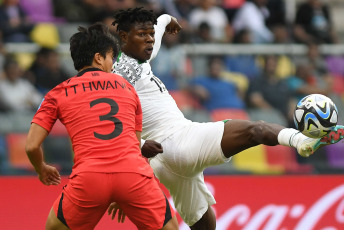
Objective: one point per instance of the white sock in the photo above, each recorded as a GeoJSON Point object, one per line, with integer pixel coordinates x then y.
{"type": "Point", "coordinates": [290, 137]}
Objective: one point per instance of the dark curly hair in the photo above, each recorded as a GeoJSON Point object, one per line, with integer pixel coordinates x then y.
{"type": "Point", "coordinates": [124, 19]}
{"type": "Point", "coordinates": [89, 41]}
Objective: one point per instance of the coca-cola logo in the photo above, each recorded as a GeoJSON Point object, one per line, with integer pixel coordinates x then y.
{"type": "Point", "coordinates": [285, 216]}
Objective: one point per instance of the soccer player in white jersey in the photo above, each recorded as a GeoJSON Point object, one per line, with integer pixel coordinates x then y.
{"type": "Point", "coordinates": [189, 147]}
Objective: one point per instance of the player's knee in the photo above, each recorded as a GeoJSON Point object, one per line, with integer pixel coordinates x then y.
{"type": "Point", "coordinates": [257, 132]}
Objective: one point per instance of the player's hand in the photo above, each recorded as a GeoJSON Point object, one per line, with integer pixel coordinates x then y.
{"type": "Point", "coordinates": [151, 149]}
{"type": "Point", "coordinates": [112, 210]}
{"type": "Point", "coordinates": [49, 175]}
{"type": "Point", "coordinates": [173, 27]}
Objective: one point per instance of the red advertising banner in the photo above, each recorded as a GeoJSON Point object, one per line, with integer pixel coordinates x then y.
{"type": "Point", "coordinates": [243, 202]}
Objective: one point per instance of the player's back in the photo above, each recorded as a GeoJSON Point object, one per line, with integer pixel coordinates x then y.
{"type": "Point", "coordinates": [101, 112]}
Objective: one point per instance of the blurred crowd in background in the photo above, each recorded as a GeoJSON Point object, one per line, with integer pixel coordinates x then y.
{"type": "Point", "coordinates": [205, 87]}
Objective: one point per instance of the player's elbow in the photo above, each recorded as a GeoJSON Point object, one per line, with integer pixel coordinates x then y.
{"type": "Point", "coordinates": [31, 147]}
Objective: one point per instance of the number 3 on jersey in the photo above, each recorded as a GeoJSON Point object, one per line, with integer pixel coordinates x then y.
{"type": "Point", "coordinates": [113, 111]}
{"type": "Point", "coordinates": [159, 83]}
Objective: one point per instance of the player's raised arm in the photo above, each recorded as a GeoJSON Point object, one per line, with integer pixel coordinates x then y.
{"type": "Point", "coordinates": [166, 23]}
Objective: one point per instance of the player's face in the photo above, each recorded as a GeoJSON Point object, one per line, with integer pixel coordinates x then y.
{"type": "Point", "coordinates": [139, 41]}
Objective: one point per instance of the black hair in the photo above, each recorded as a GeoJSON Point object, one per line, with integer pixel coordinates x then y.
{"type": "Point", "coordinates": [89, 41]}
{"type": "Point", "coordinates": [124, 19]}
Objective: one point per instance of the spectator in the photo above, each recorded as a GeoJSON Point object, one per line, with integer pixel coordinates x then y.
{"type": "Point", "coordinates": [14, 23]}
{"type": "Point", "coordinates": [74, 10]}
{"type": "Point", "coordinates": [277, 13]}
{"type": "Point", "coordinates": [166, 6]}
{"type": "Point", "coordinates": [281, 34]}
{"type": "Point", "coordinates": [269, 91]}
{"type": "Point", "coordinates": [314, 58]}
{"type": "Point", "coordinates": [106, 17]}
{"type": "Point", "coordinates": [304, 82]}
{"type": "Point", "coordinates": [17, 93]}
{"type": "Point", "coordinates": [171, 7]}
{"type": "Point", "coordinates": [245, 64]}
{"type": "Point", "coordinates": [231, 7]}
{"type": "Point", "coordinates": [46, 71]}
{"type": "Point", "coordinates": [318, 66]}
{"type": "Point", "coordinates": [252, 16]}
{"type": "Point", "coordinates": [313, 23]}
{"type": "Point", "coordinates": [203, 34]}
{"type": "Point", "coordinates": [213, 92]}
{"type": "Point", "coordinates": [185, 7]}
{"type": "Point", "coordinates": [243, 36]}
{"type": "Point", "coordinates": [215, 17]}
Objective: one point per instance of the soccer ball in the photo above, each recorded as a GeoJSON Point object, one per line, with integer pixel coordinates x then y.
{"type": "Point", "coordinates": [315, 114]}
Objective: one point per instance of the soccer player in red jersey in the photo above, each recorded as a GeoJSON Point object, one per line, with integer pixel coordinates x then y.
{"type": "Point", "coordinates": [103, 117]}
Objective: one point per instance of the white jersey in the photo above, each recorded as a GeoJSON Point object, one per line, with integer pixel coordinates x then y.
{"type": "Point", "coordinates": [161, 116]}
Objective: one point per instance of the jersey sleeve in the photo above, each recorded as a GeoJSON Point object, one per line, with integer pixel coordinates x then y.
{"type": "Point", "coordinates": [46, 114]}
{"type": "Point", "coordinates": [159, 28]}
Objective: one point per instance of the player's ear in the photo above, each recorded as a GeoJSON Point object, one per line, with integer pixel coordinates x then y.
{"type": "Point", "coordinates": [123, 36]}
{"type": "Point", "coordinates": [97, 59]}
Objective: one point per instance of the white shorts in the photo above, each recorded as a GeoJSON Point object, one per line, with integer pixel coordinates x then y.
{"type": "Point", "coordinates": [186, 154]}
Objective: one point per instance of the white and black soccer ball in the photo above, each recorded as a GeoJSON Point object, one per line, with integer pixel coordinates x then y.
{"type": "Point", "coordinates": [315, 114]}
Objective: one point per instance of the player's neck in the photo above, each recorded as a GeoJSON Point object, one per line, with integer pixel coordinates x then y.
{"type": "Point", "coordinates": [86, 67]}
{"type": "Point", "coordinates": [90, 67]}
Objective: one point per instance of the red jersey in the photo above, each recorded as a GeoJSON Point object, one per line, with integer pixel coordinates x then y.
{"type": "Point", "coordinates": [101, 112]}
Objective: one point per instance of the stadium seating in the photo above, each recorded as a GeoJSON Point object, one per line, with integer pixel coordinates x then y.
{"type": "Point", "coordinates": [58, 151]}
{"type": "Point", "coordinates": [245, 64]}
{"type": "Point", "coordinates": [66, 30]}
{"type": "Point", "coordinates": [338, 84]}
{"type": "Point", "coordinates": [268, 115]}
{"type": "Point", "coordinates": [3, 155]}
{"type": "Point", "coordinates": [335, 155]}
{"type": "Point", "coordinates": [24, 60]}
{"type": "Point", "coordinates": [185, 100]}
{"type": "Point", "coordinates": [255, 161]}
{"type": "Point", "coordinates": [285, 157]}
{"type": "Point", "coordinates": [40, 11]}
{"type": "Point", "coordinates": [223, 114]}
{"type": "Point", "coordinates": [335, 64]}
{"type": "Point", "coordinates": [190, 106]}
{"type": "Point", "coordinates": [46, 35]}
{"type": "Point", "coordinates": [6, 125]}
{"type": "Point", "coordinates": [17, 157]}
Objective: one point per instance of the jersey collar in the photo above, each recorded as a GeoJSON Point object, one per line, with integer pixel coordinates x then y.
{"type": "Point", "coordinates": [88, 70]}
{"type": "Point", "coordinates": [121, 53]}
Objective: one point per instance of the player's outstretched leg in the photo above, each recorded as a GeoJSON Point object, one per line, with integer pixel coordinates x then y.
{"type": "Point", "coordinates": [239, 135]}
{"type": "Point", "coordinates": [308, 146]}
